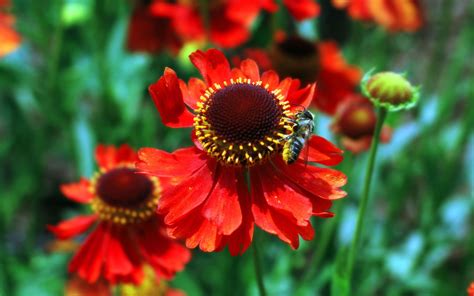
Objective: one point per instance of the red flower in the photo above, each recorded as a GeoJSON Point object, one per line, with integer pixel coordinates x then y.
{"type": "Point", "coordinates": [299, 9]}
{"type": "Point", "coordinates": [355, 121]}
{"type": "Point", "coordinates": [151, 33]}
{"type": "Point", "coordinates": [229, 20]}
{"type": "Point", "coordinates": [322, 62]}
{"type": "Point", "coordinates": [394, 15]}
{"type": "Point", "coordinates": [9, 39]}
{"type": "Point", "coordinates": [241, 121]}
{"type": "Point", "coordinates": [128, 233]}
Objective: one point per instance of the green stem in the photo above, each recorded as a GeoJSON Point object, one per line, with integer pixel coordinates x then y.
{"type": "Point", "coordinates": [382, 113]}
{"type": "Point", "coordinates": [258, 268]}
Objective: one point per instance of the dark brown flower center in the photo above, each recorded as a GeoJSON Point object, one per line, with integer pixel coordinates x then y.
{"type": "Point", "coordinates": [123, 187]}
{"type": "Point", "coordinates": [296, 57]}
{"type": "Point", "coordinates": [243, 112]}
{"type": "Point", "coordinates": [241, 122]}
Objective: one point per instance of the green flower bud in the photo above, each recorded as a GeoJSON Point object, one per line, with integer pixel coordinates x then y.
{"type": "Point", "coordinates": [390, 90]}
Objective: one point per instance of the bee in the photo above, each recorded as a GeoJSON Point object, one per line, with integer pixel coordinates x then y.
{"type": "Point", "coordinates": [304, 127]}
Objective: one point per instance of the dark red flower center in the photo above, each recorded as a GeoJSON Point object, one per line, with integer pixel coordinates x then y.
{"type": "Point", "coordinates": [241, 122]}
{"type": "Point", "coordinates": [243, 112]}
{"type": "Point", "coordinates": [123, 187]}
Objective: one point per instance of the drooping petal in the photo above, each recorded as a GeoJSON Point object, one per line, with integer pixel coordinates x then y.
{"type": "Point", "coordinates": [322, 182]}
{"type": "Point", "coordinates": [88, 261]}
{"type": "Point", "coordinates": [322, 151]}
{"type": "Point", "coordinates": [222, 207]}
{"type": "Point", "coordinates": [212, 65]}
{"type": "Point", "coordinates": [165, 255]}
{"type": "Point", "coordinates": [282, 197]}
{"type": "Point", "coordinates": [191, 193]}
{"type": "Point", "coordinates": [78, 192]}
{"type": "Point", "coordinates": [168, 99]}
{"type": "Point", "coordinates": [206, 237]}
{"type": "Point", "coordinates": [241, 238]}
{"type": "Point", "coordinates": [122, 262]}
{"type": "Point", "coordinates": [72, 227]}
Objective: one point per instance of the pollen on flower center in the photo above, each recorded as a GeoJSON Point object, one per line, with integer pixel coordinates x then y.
{"type": "Point", "coordinates": [242, 122]}
{"type": "Point", "coordinates": [123, 196]}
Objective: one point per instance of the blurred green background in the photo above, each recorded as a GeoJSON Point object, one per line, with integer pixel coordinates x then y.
{"type": "Point", "coordinates": [72, 85]}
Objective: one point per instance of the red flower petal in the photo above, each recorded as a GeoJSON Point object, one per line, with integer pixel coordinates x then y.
{"type": "Point", "coordinates": [222, 207]}
{"type": "Point", "coordinates": [78, 192]}
{"type": "Point", "coordinates": [192, 192]}
{"type": "Point", "coordinates": [241, 238]}
{"type": "Point", "coordinates": [302, 9]}
{"type": "Point", "coordinates": [72, 227]}
{"type": "Point", "coordinates": [271, 78]}
{"type": "Point", "coordinates": [322, 182]}
{"type": "Point", "coordinates": [206, 237]}
{"type": "Point", "coordinates": [165, 255]}
{"type": "Point", "coordinates": [272, 221]}
{"type": "Point", "coordinates": [182, 162]}
{"type": "Point", "coordinates": [89, 259]}
{"type": "Point", "coordinates": [109, 157]}
{"type": "Point", "coordinates": [212, 65]}
{"type": "Point", "coordinates": [281, 196]}
{"type": "Point", "coordinates": [122, 261]}
{"type": "Point", "coordinates": [226, 32]}
{"type": "Point", "coordinates": [322, 151]}
{"type": "Point", "coordinates": [250, 69]}
{"type": "Point", "coordinates": [302, 97]}
{"type": "Point", "coordinates": [193, 91]}
{"type": "Point", "coordinates": [168, 99]}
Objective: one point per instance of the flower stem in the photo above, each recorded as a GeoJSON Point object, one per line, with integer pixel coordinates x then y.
{"type": "Point", "coordinates": [258, 268]}
{"type": "Point", "coordinates": [382, 113]}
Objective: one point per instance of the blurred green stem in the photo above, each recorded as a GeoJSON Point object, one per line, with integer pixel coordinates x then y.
{"type": "Point", "coordinates": [258, 267]}
{"type": "Point", "coordinates": [382, 113]}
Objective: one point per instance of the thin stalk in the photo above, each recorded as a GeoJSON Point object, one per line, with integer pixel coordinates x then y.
{"type": "Point", "coordinates": [382, 113]}
{"type": "Point", "coordinates": [258, 268]}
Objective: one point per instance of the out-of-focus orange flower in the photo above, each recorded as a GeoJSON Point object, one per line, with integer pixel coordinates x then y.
{"type": "Point", "coordinates": [127, 233]}
{"type": "Point", "coordinates": [394, 15]}
{"type": "Point", "coordinates": [320, 62]}
{"type": "Point", "coordinates": [9, 39]}
{"type": "Point", "coordinates": [150, 286]}
{"type": "Point", "coordinates": [355, 121]}
{"type": "Point", "coordinates": [229, 20]}
{"type": "Point", "coordinates": [151, 33]}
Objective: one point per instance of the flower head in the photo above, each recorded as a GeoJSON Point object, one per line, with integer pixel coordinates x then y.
{"type": "Point", "coordinates": [241, 120]}
{"type": "Point", "coordinates": [128, 233]}
{"type": "Point", "coordinates": [390, 90]}
{"type": "Point", "coordinates": [355, 121]}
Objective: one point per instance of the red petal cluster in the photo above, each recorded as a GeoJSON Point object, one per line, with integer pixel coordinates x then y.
{"type": "Point", "coordinates": [9, 39]}
{"type": "Point", "coordinates": [355, 121]}
{"type": "Point", "coordinates": [210, 205]}
{"type": "Point", "coordinates": [112, 251]}
{"type": "Point", "coordinates": [394, 15]}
